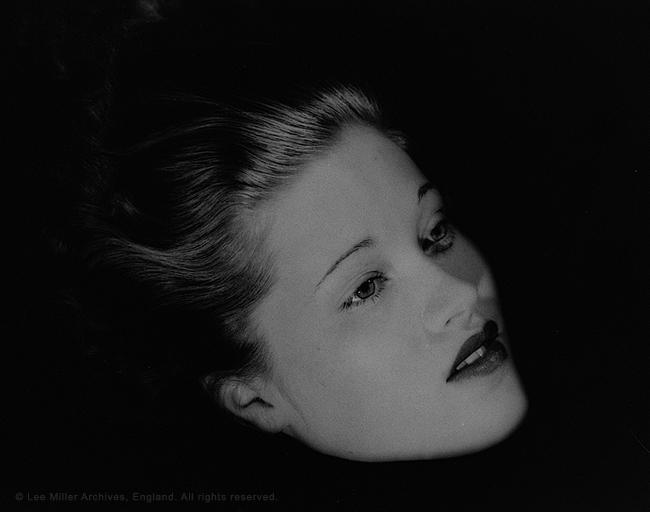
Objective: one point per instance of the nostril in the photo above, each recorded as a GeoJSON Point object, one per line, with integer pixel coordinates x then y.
{"type": "Point", "coordinates": [467, 320]}
{"type": "Point", "coordinates": [460, 318]}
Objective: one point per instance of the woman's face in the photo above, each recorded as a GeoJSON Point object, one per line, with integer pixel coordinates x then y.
{"type": "Point", "coordinates": [374, 297]}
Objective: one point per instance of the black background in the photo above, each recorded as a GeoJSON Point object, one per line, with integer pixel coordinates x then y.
{"type": "Point", "coordinates": [534, 119]}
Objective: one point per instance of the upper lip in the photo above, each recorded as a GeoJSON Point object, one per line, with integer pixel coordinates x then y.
{"type": "Point", "coordinates": [489, 332]}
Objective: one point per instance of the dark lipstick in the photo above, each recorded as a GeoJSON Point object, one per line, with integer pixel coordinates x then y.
{"type": "Point", "coordinates": [485, 353]}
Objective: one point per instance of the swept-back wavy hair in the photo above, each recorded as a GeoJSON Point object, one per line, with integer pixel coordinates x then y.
{"type": "Point", "coordinates": [162, 256]}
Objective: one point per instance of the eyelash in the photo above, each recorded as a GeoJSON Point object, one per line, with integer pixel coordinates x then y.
{"type": "Point", "coordinates": [379, 279]}
{"type": "Point", "coordinates": [444, 244]}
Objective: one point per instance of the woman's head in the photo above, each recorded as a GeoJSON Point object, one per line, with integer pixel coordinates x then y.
{"type": "Point", "coordinates": [374, 295]}
{"type": "Point", "coordinates": [317, 258]}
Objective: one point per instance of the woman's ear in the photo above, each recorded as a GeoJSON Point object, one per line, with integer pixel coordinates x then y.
{"type": "Point", "coordinates": [255, 401]}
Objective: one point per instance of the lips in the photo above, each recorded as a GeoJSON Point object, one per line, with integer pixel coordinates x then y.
{"type": "Point", "coordinates": [485, 341]}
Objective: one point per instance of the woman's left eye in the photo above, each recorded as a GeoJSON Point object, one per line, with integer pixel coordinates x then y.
{"type": "Point", "coordinates": [370, 289]}
{"type": "Point", "coordinates": [439, 239]}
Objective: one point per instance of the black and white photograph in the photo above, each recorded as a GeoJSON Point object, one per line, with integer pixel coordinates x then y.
{"type": "Point", "coordinates": [328, 255]}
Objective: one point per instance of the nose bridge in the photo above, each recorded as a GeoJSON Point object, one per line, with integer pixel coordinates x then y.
{"type": "Point", "coordinates": [450, 302]}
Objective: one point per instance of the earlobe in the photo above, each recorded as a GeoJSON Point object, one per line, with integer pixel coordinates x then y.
{"type": "Point", "coordinates": [253, 402]}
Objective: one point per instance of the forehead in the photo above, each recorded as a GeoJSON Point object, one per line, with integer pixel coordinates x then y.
{"type": "Point", "coordinates": [356, 189]}
{"type": "Point", "coordinates": [362, 162]}
{"type": "Point", "coordinates": [364, 166]}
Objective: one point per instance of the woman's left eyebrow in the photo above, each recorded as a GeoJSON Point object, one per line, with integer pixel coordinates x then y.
{"type": "Point", "coordinates": [424, 188]}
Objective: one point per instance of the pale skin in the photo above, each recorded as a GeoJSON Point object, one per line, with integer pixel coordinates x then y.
{"type": "Point", "coordinates": [360, 353]}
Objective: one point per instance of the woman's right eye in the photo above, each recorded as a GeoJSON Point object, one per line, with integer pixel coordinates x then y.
{"type": "Point", "coordinates": [439, 239]}
{"type": "Point", "coordinates": [370, 289]}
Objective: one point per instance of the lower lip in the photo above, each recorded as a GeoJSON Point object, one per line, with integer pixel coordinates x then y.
{"type": "Point", "coordinates": [490, 362]}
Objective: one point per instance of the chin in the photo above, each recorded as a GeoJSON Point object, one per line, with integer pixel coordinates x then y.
{"type": "Point", "coordinates": [489, 424]}
{"type": "Point", "coordinates": [491, 430]}
{"type": "Point", "coordinates": [497, 423]}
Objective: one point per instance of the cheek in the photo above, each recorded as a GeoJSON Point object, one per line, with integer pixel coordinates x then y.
{"type": "Point", "coordinates": [466, 263]}
{"type": "Point", "coordinates": [381, 393]}
{"type": "Point", "coordinates": [384, 368]}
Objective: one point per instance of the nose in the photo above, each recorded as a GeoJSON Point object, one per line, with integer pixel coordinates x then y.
{"type": "Point", "coordinates": [451, 304]}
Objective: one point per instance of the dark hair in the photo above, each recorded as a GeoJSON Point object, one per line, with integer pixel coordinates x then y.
{"type": "Point", "coordinates": [170, 258]}
{"type": "Point", "coordinates": [162, 143]}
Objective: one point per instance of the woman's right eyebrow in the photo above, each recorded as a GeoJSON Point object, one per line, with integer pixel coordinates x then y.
{"type": "Point", "coordinates": [366, 242]}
